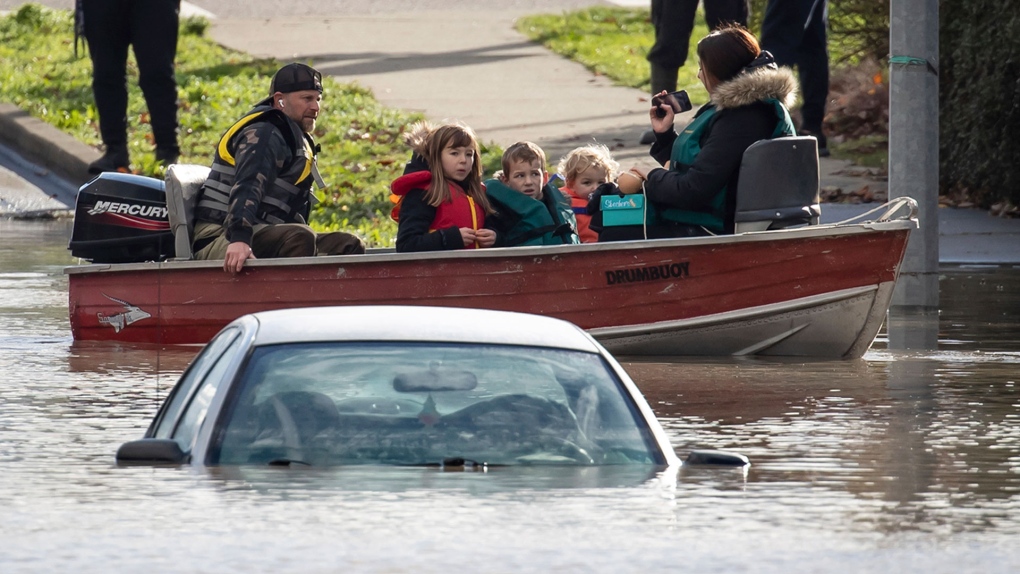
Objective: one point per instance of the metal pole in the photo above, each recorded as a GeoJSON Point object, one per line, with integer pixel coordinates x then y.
{"type": "Point", "coordinates": [914, 154]}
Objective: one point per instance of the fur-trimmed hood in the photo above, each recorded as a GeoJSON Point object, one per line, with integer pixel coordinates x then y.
{"type": "Point", "coordinates": [755, 86]}
{"type": "Point", "coordinates": [416, 135]}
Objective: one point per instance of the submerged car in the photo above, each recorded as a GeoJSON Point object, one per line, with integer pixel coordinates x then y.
{"type": "Point", "coordinates": [420, 386]}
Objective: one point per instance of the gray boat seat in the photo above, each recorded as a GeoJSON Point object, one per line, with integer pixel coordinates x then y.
{"type": "Point", "coordinates": [183, 181]}
{"type": "Point", "coordinates": [778, 185]}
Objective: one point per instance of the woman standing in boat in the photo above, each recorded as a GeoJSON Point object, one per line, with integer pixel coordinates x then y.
{"type": "Point", "coordinates": [442, 207]}
{"type": "Point", "coordinates": [694, 194]}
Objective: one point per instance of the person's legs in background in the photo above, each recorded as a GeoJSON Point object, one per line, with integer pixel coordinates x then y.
{"type": "Point", "coordinates": [794, 32]}
{"type": "Point", "coordinates": [721, 12]}
{"type": "Point", "coordinates": [107, 36]}
{"type": "Point", "coordinates": [154, 26]}
{"type": "Point", "coordinates": [673, 21]}
{"type": "Point", "coordinates": [813, 67]}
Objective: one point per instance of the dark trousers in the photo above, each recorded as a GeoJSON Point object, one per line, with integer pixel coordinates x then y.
{"type": "Point", "coordinates": [297, 240]}
{"type": "Point", "coordinates": [794, 31]}
{"type": "Point", "coordinates": [150, 28]}
{"type": "Point", "coordinates": [674, 21]}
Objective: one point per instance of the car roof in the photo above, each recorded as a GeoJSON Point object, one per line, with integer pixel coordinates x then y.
{"type": "Point", "coordinates": [410, 323]}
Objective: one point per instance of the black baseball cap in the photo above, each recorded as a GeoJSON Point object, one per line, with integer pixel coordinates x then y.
{"type": "Point", "coordinates": [294, 78]}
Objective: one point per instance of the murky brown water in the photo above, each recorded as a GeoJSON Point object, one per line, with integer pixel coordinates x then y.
{"type": "Point", "coordinates": [902, 462]}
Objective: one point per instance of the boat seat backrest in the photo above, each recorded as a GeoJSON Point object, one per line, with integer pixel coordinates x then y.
{"type": "Point", "coordinates": [183, 182]}
{"type": "Point", "coordinates": [778, 185]}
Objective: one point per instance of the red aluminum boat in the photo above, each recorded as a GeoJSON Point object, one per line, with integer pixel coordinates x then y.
{"type": "Point", "coordinates": [815, 291]}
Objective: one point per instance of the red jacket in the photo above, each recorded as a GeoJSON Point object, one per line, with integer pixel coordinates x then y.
{"type": "Point", "coordinates": [460, 211]}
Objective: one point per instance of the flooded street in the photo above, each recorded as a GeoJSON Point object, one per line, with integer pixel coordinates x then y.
{"type": "Point", "coordinates": [899, 462]}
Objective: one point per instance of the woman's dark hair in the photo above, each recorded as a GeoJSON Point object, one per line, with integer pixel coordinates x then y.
{"type": "Point", "coordinates": [726, 51]}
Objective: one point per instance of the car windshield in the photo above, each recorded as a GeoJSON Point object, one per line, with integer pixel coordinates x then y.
{"type": "Point", "coordinates": [430, 404]}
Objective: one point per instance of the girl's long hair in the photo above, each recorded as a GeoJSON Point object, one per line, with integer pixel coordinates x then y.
{"type": "Point", "coordinates": [440, 138]}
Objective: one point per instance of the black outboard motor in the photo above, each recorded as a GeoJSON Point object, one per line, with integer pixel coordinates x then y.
{"type": "Point", "coordinates": [121, 218]}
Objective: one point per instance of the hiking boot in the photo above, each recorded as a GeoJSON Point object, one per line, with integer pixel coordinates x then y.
{"type": "Point", "coordinates": [115, 159]}
{"type": "Point", "coordinates": [167, 155]}
{"type": "Point", "coordinates": [823, 147]}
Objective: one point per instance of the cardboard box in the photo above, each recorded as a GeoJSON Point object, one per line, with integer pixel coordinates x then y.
{"type": "Point", "coordinates": [626, 210]}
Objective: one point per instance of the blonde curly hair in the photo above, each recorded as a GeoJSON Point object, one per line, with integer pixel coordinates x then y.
{"type": "Point", "coordinates": [590, 155]}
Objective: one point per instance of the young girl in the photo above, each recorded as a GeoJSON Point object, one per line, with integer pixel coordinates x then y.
{"type": "Point", "coordinates": [583, 170]}
{"type": "Point", "coordinates": [441, 203]}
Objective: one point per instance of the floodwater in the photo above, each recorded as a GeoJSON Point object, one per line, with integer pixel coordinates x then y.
{"type": "Point", "coordinates": [900, 462]}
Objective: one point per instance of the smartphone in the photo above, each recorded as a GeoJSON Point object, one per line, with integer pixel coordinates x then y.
{"type": "Point", "coordinates": [678, 100]}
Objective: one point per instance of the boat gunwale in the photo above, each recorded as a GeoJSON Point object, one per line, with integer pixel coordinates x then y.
{"type": "Point", "coordinates": [808, 232]}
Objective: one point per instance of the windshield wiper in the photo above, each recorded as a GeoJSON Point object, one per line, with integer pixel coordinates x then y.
{"type": "Point", "coordinates": [457, 462]}
{"type": "Point", "coordinates": [288, 462]}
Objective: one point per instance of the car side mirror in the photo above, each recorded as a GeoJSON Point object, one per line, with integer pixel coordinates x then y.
{"type": "Point", "coordinates": [151, 451]}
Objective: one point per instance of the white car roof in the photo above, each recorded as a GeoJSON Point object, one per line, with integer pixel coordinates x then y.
{"type": "Point", "coordinates": [409, 323]}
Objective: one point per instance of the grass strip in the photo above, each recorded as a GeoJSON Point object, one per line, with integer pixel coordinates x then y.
{"type": "Point", "coordinates": [361, 139]}
{"type": "Point", "coordinates": [613, 42]}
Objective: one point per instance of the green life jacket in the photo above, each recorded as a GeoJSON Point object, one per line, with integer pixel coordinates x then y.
{"type": "Point", "coordinates": [686, 149]}
{"type": "Point", "coordinates": [529, 221]}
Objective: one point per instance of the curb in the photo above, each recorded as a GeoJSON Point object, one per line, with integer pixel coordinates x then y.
{"type": "Point", "coordinates": [45, 145]}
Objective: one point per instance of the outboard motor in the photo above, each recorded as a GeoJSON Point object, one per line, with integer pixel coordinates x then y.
{"type": "Point", "coordinates": [121, 218]}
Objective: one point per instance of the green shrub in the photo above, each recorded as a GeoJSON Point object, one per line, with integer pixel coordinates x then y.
{"type": "Point", "coordinates": [979, 88]}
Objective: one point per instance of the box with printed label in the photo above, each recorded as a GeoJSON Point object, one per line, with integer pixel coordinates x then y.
{"type": "Point", "coordinates": [626, 210]}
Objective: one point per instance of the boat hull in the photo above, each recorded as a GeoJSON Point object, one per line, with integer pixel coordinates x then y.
{"type": "Point", "coordinates": [821, 291]}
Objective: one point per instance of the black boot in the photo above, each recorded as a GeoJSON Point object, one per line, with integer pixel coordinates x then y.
{"type": "Point", "coordinates": [115, 159]}
{"type": "Point", "coordinates": [662, 79]}
{"type": "Point", "coordinates": [167, 155]}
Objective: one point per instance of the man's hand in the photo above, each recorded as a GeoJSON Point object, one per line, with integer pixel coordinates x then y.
{"type": "Point", "coordinates": [237, 253]}
{"type": "Point", "coordinates": [485, 237]}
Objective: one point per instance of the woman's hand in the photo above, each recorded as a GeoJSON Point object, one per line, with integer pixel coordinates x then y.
{"type": "Point", "coordinates": [665, 123]}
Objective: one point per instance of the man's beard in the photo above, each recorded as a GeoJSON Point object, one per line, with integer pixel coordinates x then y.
{"type": "Point", "coordinates": [308, 124]}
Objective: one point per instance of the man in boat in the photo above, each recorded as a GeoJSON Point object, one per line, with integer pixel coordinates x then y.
{"type": "Point", "coordinates": [257, 199]}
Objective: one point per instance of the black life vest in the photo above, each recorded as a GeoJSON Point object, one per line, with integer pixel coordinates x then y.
{"type": "Point", "coordinates": [288, 198]}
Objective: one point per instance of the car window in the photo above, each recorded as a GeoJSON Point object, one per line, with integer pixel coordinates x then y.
{"type": "Point", "coordinates": [194, 414]}
{"type": "Point", "coordinates": [426, 403]}
{"type": "Point", "coordinates": [182, 391]}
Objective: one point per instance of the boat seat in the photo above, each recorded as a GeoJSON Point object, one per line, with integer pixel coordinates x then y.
{"type": "Point", "coordinates": [183, 181]}
{"type": "Point", "coordinates": [778, 185]}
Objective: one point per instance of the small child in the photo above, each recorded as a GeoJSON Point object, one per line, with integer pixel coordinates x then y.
{"type": "Point", "coordinates": [529, 211]}
{"type": "Point", "coordinates": [441, 202]}
{"type": "Point", "coordinates": [583, 170]}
